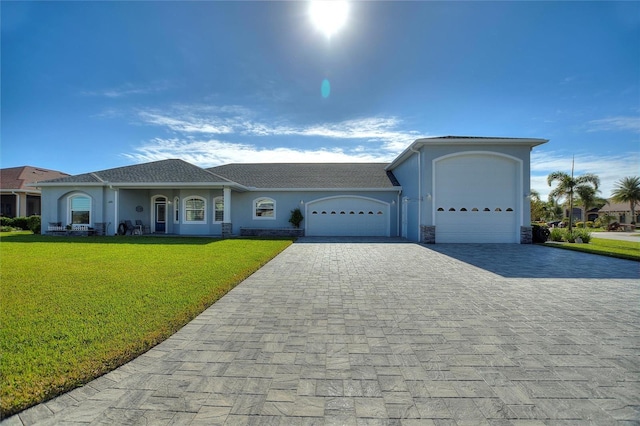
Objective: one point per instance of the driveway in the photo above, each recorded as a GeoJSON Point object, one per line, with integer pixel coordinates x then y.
{"type": "Point", "coordinates": [377, 332]}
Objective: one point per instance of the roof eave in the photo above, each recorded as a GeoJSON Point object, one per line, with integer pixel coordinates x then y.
{"type": "Point", "coordinates": [418, 143]}
{"type": "Point", "coordinates": [389, 189]}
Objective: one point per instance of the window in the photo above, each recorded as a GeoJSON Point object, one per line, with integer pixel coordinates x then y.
{"type": "Point", "coordinates": [264, 208]}
{"type": "Point", "coordinates": [218, 209]}
{"type": "Point", "coordinates": [80, 209]}
{"type": "Point", "coordinates": [194, 209]}
{"type": "Point", "coordinates": [176, 210]}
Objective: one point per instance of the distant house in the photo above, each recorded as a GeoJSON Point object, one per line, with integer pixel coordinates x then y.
{"type": "Point", "coordinates": [18, 199]}
{"type": "Point", "coordinates": [620, 211]}
{"type": "Point", "coordinates": [452, 189]}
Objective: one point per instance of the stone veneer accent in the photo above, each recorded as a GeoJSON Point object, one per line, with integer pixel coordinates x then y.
{"type": "Point", "coordinates": [428, 234]}
{"type": "Point", "coordinates": [226, 230]}
{"type": "Point", "coordinates": [271, 232]}
{"type": "Point", "coordinates": [526, 235]}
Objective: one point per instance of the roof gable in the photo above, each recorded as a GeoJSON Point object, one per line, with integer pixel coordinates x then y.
{"type": "Point", "coordinates": [462, 140]}
{"type": "Point", "coordinates": [308, 175]}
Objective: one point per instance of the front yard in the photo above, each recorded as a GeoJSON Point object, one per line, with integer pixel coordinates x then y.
{"type": "Point", "coordinates": [72, 309]}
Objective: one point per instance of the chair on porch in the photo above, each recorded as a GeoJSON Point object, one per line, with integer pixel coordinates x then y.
{"type": "Point", "coordinates": [140, 227]}
{"type": "Point", "coordinates": [130, 229]}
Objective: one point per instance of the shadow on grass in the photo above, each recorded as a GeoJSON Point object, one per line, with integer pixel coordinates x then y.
{"type": "Point", "coordinates": [122, 239]}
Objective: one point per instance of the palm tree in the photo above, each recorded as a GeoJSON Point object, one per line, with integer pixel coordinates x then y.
{"type": "Point", "coordinates": [586, 197]}
{"type": "Point", "coordinates": [567, 186]}
{"type": "Point", "coordinates": [627, 190]}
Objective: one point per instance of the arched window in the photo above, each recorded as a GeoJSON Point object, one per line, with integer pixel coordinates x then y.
{"type": "Point", "coordinates": [195, 210]}
{"type": "Point", "coordinates": [264, 208]}
{"type": "Point", "coordinates": [218, 209]}
{"type": "Point", "coordinates": [80, 209]}
{"type": "Point", "coordinates": [176, 210]}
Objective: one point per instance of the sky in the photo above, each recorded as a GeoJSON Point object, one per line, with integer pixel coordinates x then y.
{"type": "Point", "coordinates": [87, 86]}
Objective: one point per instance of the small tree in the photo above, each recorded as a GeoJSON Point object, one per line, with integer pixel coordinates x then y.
{"type": "Point", "coordinates": [627, 190]}
{"type": "Point", "coordinates": [567, 186]}
{"type": "Point", "coordinates": [296, 217]}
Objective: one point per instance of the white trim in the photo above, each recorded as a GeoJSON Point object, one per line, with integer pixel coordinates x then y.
{"type": "Point", "coordinates": [184, 210]}
{"type": "Point", "coordinates": [253, 207]}
{"type": "Point", "coordinates": [226, 193]}
{"type": "Point", "coordinates": [176, 209]}
{"type": "Point", "coordinates": [393, 189]}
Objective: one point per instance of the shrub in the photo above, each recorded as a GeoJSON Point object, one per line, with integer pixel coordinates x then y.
{"type": "Point", "coordinates": [569, 236]}
{"type": "Point", "coordinates": [589, 224]}
{"type": "Point", "coordinates": [578, 224]}
{"type": "Point", "coordinates": [597, 223]}
{"type": "Point", "coordinates": [20, 222]}
{"type": "Point", "coordinates": [33, 222]}
{"type": "Point", "coordinates": [557, 234]}
{"type": "Point", "coordinates": [6, 221]}
{"type": "Point", "coordinates": [296, 217]}
{"type": "Point", "coordinates": [4, 228]}
{"type": "Point", "coordinates": [584, 235]}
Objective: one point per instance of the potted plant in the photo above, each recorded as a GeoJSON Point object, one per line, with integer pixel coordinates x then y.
{"type": "Point", "coordinates": [296, 217]}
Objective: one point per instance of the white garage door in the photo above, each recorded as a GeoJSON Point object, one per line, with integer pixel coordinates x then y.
{"type": "Point", "coordinates": [347, 216]}
{"type": "Point", "coordinates": [476, 199]}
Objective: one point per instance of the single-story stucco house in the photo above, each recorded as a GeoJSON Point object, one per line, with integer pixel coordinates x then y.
{"type": "Point", "coordinates": [621, 212]}
{"type": "Point", "coordinates": [438, 190]}
{"type": "Point", "coordinates": [17, 198]}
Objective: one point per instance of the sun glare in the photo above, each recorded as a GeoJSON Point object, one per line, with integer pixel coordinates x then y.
{"type": "Point", "coordinates": [329, 15]}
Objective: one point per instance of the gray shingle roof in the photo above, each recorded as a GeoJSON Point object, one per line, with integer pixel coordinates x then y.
{"type": "Point", "coordinates": [308, 175]}
{"type": "Point", "coordinates": [174, 170]}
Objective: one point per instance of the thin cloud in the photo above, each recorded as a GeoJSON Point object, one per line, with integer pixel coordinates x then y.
{"type": "Point", "coordinates": [127, 89]}
{"type": "Point", "coordinates": [215, 120]}
{"type": "Point", "coordinates": [615, 123]}
{"type": "Point", "coordinates": [212, 152]}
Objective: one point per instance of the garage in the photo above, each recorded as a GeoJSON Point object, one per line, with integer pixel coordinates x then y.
{"type": "Point", "coordinates": [477, 199]}
{"type": "Point", "coordinates": [351, 216]}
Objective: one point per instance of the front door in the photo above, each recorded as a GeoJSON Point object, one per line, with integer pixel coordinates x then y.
{"type": "Point", "coordinates": [161, 215]}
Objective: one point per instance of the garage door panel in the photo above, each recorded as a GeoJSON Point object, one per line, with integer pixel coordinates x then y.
{"type": "Point", "coordinates": [485, 187]}
{"type": "Point", "coordinates": [347, 216]}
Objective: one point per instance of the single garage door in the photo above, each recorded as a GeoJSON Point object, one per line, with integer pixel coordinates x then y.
{"type": "Point", "coordinates": [347, 216]}
{"type": "Point", "coordinates": [476, 199]}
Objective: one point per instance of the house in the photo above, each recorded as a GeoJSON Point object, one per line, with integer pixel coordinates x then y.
{"type": "Point", "coordinates": [620, 211]}
{"type": "Point", "coordinates": [16, 197]}
{"type": "Point", "coordinates": [438, 190]}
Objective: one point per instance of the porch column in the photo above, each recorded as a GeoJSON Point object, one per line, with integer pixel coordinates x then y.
{"type": "Point", "coordinates": [226, 215]}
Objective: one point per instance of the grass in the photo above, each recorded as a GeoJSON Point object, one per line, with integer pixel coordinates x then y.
{"type": "Point", "coordinates": [613, 248]}
{"type": "Point", "coordinates": [74, 308]}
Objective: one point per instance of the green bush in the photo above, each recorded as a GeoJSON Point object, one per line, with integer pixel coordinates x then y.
{"type": "Point", "coordinates": [597, 223]}
{"type": "Point", "coordinates": [578, 224]}
{"type": "Point", "coordinates": [584, 235]}
{"type": "Point", "coordinates": [557, 234]}
{"type": "Point", "coordinates": [20, 222]}
{"type": "Point", "coordinates": [33, 222]}
{"type": "Point", "coordinates": [5, 228]}
{"type": "Point", "coordinates": [6, 221]}
{"type": "Point", "coordinates": [589, 224]}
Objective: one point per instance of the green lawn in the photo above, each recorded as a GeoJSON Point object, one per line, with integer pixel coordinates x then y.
{"type": "Point", "coordinates": [614, 248]}
{"type": "Point", "coordinates": [74, 308]}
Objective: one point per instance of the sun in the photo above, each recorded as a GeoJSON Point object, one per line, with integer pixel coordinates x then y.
{"type": "Point", "coordinates": [329, 15]}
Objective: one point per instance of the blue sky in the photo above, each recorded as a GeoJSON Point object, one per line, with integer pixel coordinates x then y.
{"type": "Point", "coordinates": [88, 86]}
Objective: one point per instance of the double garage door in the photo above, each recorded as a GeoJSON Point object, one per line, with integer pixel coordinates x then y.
{"type": "Point", "coordinates": [476, 199]}
{"type": "Point", "coordinates": [347, 216]}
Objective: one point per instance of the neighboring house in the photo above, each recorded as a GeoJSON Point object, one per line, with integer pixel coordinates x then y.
{"type": "Point", "coordinates": [620, 211]}
{"type": "Point", "coordinates": [16, 197]}
{"type": "Point", "coordinates": [444, 189]}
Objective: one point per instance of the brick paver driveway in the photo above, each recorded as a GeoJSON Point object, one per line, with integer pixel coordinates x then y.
{"type": "Point", "coordinates": [373, 333]}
